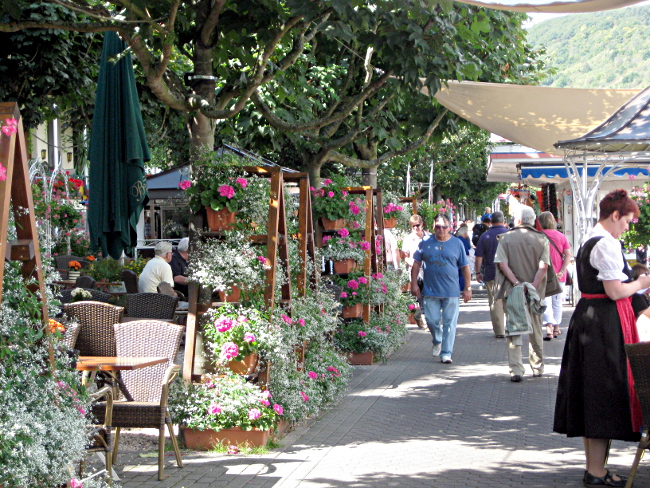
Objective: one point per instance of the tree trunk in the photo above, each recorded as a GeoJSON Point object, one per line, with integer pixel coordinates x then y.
{"type": "Point", "coordinates": [369, 176]}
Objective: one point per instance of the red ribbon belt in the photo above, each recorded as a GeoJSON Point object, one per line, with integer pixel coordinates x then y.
{"type": "Point", "coordinates": [630, 336]}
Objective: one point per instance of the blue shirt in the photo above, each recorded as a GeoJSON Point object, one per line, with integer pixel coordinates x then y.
{"type": "Point", "coordinates": [486, 248]}
{"type": "Point", "coordinates": [441, 262]}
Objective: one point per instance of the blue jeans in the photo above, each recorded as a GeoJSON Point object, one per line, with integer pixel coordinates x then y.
{"type": "Point", "coordinates": [446, 309]}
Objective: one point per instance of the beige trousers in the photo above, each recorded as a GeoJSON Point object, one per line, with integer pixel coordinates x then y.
{"type": "Point", "coordinates": [535, 353]}
{"type": "Point", "coordinates": [497, 310]}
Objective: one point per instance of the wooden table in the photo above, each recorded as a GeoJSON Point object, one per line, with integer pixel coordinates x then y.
{"type": "Point", "coordinates": [100, 363]}
{"type": "Point", "coordinates": [113, 365]}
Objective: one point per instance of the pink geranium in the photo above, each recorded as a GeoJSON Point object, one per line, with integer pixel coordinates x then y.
{"type": "Point", "coordinates": [223, 324]}
{"type": "Point", "coordinates": [365, 245]}
{"type": "Point", "coordinates": [3, 173]}
{"type": "Point", "coordinates": [362, 334]}
{"type": "Point", "coordinates": [330, 194]}
{"type": "Point", "coordinates": [254, 414]}
{"type": "Point", "coordinates": [327, 182]}
{"type": "Point", "coordinates": [343, 232]}
{"type": "Point", "coordinates": [249, 337]}
{"type": "Point", "coordinates": [10, 127]}
{"type": "Point", "coordinates": [412, 306]}
{"type": "Point", "coordinates": [229, 350]}
{"type": "Point", "coordinates": [312, 375]}
{"type": "Point", "coordinates": [326, 238]}
{"type": "Point", "coordinates": [265, 402]}
{"type": "Point", "coordinates": [227, 191]}
{"type": "Point", "coordinates": [354, 209]}
{"type": "Point", "coordinates": [363, 280]}
{"type": "Point", "coordinates": [304, 396]}
{"type": "Point", "coordinates": [278, 409]}
{"type": "Point", "coordinates": [287, 319]}
{"type": "Point", "coordinates": [214, 409]}
{"type": "Point", "coordinates": [185, 184]}
{"type": "Point", "coordinates": [353, 284]}
{"type": "Point", "coordinates": [343, 295]}
{"type": "Point", "coordinates": [266, 394]}
{"type": "Point", "coordinates": [242, 318]}
{"type": "Point", "coordinates": [243, 182]}
{"type": "Point", "coordinates": [74, 482]}
{"type": "Point", "coordinates": [301, 322]}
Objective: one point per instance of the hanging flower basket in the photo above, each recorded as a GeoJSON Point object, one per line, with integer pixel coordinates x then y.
{"type": "Point", "coordinates": [360, 358]}
{"type": "Point", "coordinates": [205, 440]}
{"type": "Point", "coordinates": [390, 223]}
{"type": "Point", "coordinates": [333, 224]}
{"type": "Point", "coordinates": [234, 296]}
{"type": "Point", "coordinates": [353, 311]}
{"type": "Point", "coordinates": [247, 365]}
{"type": "Point", "coordinates": [343, 266]}
{"type": "Point", "coordinates": [220, 220]}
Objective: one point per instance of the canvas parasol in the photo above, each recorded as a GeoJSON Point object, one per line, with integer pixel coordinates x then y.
{"type": "Point", "coordinates": [118, 150]}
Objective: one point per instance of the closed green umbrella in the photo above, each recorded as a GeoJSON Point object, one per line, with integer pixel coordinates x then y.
{"type": "Point", "coordinates": [118, 150]}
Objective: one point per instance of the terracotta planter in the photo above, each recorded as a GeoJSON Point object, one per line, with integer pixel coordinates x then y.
{"type": "Point", "coordinates": [246, 366]}
{"type": "Point", "coordinates": [390, 222]}
{"type": "Point", "coordinates": [406, 287]}
{"type": "Point", "coordinates": [360, 358]}
{"type": "Point", "coordinates": [220, 220]}
{"type": "Point", "coordinates": [412, 319]}
{"type": "Point", "coordinates": [281, 428]}
{"type": "Point", "coordinates": [344, 266]}
{"type": "Point", "coordinates": [332, 224]}
{"type": "Point", "coordinates": [204, 440]}
{"type": "Point", "coordinates": [234, 296]}
{"type": "Point", "coordinates": [353, 311]}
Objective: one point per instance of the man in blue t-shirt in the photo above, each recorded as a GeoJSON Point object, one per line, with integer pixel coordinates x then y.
{"type": "Point", "coordinates": [485, 251]}
{"type": "Point", "coordinates": [441, 256]}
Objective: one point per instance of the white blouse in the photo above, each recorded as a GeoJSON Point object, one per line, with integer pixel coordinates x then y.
{"type": "Point", "coordinates": [606, 255]}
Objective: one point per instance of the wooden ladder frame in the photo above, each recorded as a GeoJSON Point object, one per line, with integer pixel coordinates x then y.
{"type": "Point", "coordinates": [276, 240]}
{"type": "Point", "coordinates": [16, 190]}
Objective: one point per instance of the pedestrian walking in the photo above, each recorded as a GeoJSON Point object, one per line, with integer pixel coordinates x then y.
{"type": "Point", "coordinates": [441, 256]}
{"type": "Point", "coordinates": [485, 251]}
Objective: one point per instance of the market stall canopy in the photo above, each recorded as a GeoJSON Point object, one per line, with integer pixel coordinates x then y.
{"type": "Point", "coordinates": [626, 131]}
{"type": "Point", "coordinates": [533, 116]}
{"type": "Point", "coordinates": [554, 7]}
{"type": "Point", "coordinates": [118, 150]}
{"type": "Point", "coordinates": [556, 173]}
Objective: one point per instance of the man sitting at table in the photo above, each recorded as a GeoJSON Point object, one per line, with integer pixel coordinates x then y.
{"type": "Point", "coordinates": [179, 265]}
{"type": "Point", "coordinates": [157, 269]}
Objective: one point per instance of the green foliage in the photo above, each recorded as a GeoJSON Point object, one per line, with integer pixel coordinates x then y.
{"type": "Point", "coordinates": [639, 232]}
{"type": "Point", "coordinates": [609, 49]}
{"type": "Point", "coordinates": [106, 269]}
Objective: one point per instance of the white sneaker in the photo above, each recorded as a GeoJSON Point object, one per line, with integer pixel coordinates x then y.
{"type": "Point", "coordinates": [436, 350]}
{"type": "Point", "coordinates": [446, 360]}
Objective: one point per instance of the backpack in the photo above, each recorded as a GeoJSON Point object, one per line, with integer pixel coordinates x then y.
{"type": "Point", "coordinates": [477, 233]}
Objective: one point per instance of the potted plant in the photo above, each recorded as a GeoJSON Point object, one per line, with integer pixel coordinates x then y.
{"type": "Point", "coordinates": [223, 264]}
{"type": "Point", "coordinates": [73, 270]}
{"type": "Point", "coordinates": [332, 204]}
{"type": "Point", "coordinates": [359, 341]}
{"type": "Point", "coordinates": [223, 409]}
{"type": "Point", "coordinates": [346, 249]}
{"type": "Point", "coordinates": [105, 270]}
{"type": "Point", "coordinates": [355, 292]}
{"type": "Point", "coordinates": [79, 295]}
{"type": "Point", "coordinates": [390, 215]}
{"type": "Point", "coordinates": [235, 335]}
{"type": "Point", "coordinates": [219, 184]}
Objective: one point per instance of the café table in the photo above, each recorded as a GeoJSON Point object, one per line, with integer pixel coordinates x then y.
{"type": "Point", "coordinates": [114, 364]}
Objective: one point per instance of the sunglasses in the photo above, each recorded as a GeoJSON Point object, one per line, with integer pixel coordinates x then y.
{"type": "Point", "coordinates": [415, 226]}
{"type": "Point", "coordinates": [441, 227]}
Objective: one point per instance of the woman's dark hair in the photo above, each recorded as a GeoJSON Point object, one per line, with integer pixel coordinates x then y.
{"type": "Point", "coordinates": [617, 200]}
{"type": "Point", "coordinates": [639, 269]}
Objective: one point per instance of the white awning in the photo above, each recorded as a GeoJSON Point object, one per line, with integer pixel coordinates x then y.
{"type": "Point", "coordinates": [533, 116]}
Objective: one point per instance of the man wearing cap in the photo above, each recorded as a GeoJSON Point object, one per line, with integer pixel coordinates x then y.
{"type": "Point", "coordinates": [157, 269]}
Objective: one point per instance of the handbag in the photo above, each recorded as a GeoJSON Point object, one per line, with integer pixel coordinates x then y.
{"type": "Point", "coordinates": [569, 279]}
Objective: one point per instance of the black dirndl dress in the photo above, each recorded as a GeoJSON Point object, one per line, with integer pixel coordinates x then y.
{"type": "Point", "coordinates": [592, 394]}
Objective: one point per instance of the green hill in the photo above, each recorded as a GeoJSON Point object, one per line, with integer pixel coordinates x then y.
{"type": "Point", "coordinates": [608, 49]}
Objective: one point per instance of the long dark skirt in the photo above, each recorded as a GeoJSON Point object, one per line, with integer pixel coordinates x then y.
{"type": "Point", "coordinates": [592, 394]}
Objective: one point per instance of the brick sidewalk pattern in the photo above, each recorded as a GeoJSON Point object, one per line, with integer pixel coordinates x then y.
{"type": "Point", "coordinates": [415, 422]}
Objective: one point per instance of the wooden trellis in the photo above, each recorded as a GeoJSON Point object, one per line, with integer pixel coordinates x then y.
{"type": "Point", "coordinates": [277, 242]}
{"type": "Point", "coordinates": [16, 194]}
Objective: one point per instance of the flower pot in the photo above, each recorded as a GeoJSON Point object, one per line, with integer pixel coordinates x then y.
{"type": "Point", "coordinates": [344, 266]}
{"type": "Point", "coordinates": [204, 440]}
{"type": "Point", "coordinates": [390, 222]}
{"type": "Point", "coordinates": [234, 296]}
{"type": "Point", "coordinates": [73, 275]}
{"type": "Point", "coordinates": [360, 358]}
{"type": "Point", "coordinates": [353, 311]}
{"type": "Point", "coordinates": [332, 224]}
{"type": "Point", "coordinates": [246, 366]}
{"type": "Point", "coordinates": [406, 287]}
{"type": "Point", "coordinates": [220, 220]}
{"type": "Point", "coordinates": [281, 428]}
{"type": "Point", "coordinates": [412, 319]}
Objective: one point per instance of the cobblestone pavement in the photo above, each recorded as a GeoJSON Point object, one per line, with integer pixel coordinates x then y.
{"type": "Point", "coordinates": [415, 422]}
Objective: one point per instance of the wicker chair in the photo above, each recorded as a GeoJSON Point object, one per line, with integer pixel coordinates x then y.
{"type": "Point", "coordinates": [71, 334]}
{"type": "Point", "coordinates": [148, 386]}
{"type": "Point", "coordinates": [96, 320]}
{"type": "Point", "coordinates": [130, 281]}
{"type": "Point", "coordinates": [97, 296]}
{"type": "Point", "coordinates": [62, 263]}
{"type": "Point", "coordinates": [151, 306]}
{"type": "Point", "coordinates": [639, 356]}
{"type": "Point", "coordinates": [85, 282]}
{"type": "Point", "coordinates": [100, 435]}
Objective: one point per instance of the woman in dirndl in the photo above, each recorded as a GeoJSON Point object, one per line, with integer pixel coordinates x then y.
{"type": "Point", "coordinates": [595, 395]}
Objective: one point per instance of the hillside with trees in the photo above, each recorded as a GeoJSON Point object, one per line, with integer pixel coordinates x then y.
{"type": "Point", "coordinates": [609, 49]}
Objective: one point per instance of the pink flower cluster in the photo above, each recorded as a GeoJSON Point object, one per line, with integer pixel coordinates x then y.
{"type": "Point", "coordinates": [224, 324]}
{"type": "Point", "coordinates": [227, 191]}
{"type": "Point", "coordinates": [343, 232]}
{"type": "Point", "coordinates": [10, 127]}
{"type": "Point", "coordinates": [354, 209]}
{"type": "Point", "coordinates": [391, 207]}
{"type": "Point", "coordinates": [278, 409]}
{"type": "Point", "coordinates": [334, 371]}
{"type": "Point", "coordinates": [185, 184]}
{"type": "Point", "coordinates": [312, 375]}
{"type": "Point", "coordinates": [362, 333]}
{"type": "Point", "coordinates": [304, 396]}
{"type": "Point", "coordinates": [229, 350]}
{"type": "Point", "coordinates": [214, 409]}
{"type": "Point", "coordinates": [249, 337]}
{"type": "Point", "coordinates": [254, 414]}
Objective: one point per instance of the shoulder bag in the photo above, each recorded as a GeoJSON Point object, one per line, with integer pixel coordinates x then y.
{"type": "Point", "coordinates": [569, 280]}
